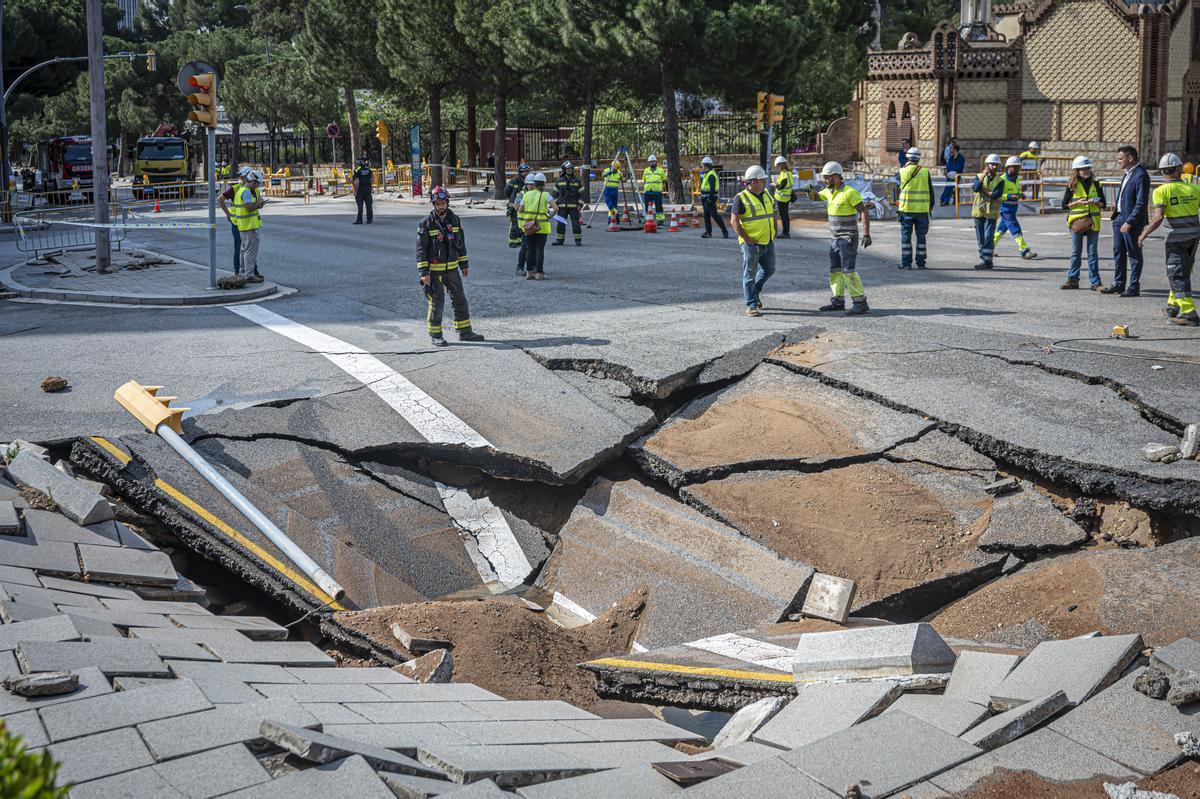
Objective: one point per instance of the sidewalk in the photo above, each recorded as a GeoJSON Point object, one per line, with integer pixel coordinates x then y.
{"type": "Point", "coordinates": [141, 277]}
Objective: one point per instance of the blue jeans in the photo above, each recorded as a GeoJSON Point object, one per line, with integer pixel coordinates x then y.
{"type": "Point", "coordinates": [1077, 239]}
{"type": "Point", "coordinates": [948, 193]}
{"type": "Point", "coordinates": [1126, 249]}
{"type": "Point", "coordinates": [985, 237]}
{"type": "Point", "coordinates": [758, 264]}
{"type": "Point", "coordinates": [237, 248]}
{"type": "Point", "coordinates": [909, 222]}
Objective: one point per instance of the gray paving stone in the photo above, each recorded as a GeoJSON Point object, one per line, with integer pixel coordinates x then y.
{"type": "Point", "coordinates": [28, 727]}
{"type": "Point", "coordinates": [410, 712]}
{"type": "Point", "coordinates": [73, 500]}
{"type": "Point", "coordinates": [52, 628]}
{"type": "Point", "coordinates": [213, 773]}
{"type": "Point", "coordinates": [509, 766]}
{"type": "Point", "coordinates": [947, 713]}
{"type": "Point", "coordinates": [366, 675]}
{"type": "Point", "coordinates": [444, 692]}
{"type": "Point", "coordinates": [91, 628]}
{"type": "Point", "coordinates": [80, 587]}
{"type": "Point", "coordinates": [484, 789]}
{"type": "Point", "coordinates": [42, 683]}
{"type": "Point", "coordinates": [767, 779]}
{"type": "Point", "coordinates": [515, 709]}
{"type": "Point", "coordinates": [23, 611]}
{"type": "Point", "coordinates": [113, 656]}
{"type": "Point", "coordinates": [1043, 752]}
{"type": "Point", "coordinates": [1012, 724]}
{"type": "Point", "coordinates": [745, 753]}
{"type": "Point", "coordinates": [891, 650]}
{"type": "Point", "coordinates": [9, 523]}
{"type": "Point", "coordinates": [97, 756]}
{"type": "Point", "coordinates": [405, 786]}
{"type": "Point", "coordinates": [229, 638]}
{"type": "Point", "coordinates": [91, 683]}
{"type": "Point", "coordinates": [351, 777]}
{"type": "Point", "coordinates": [504, 733]}
{"type": "Point", "coordinates": [1078, 666]}
{"type": "Point", "coordinates": [121, 565]}
{"type": "Point", "coordinates": [242, 672]}
{"type": "Point", "coordinates": [319, 747]}
{"type": "Point", "coordinates": [404, 738]}
{"type": "Point", "coordinates": [138, 784]}
{"type": "Point", "coordinates": [45, 525]}
{"type": "Point", "coordinates": [632, 730]}
{"type": "Point", "coordinates": [120, 618]}
{"type": "Point", "coordinates": [132, 540]}
{"type": "Point", "coordinates": [122, 709]}
{"type": "Point", "coordinates": [914, 752]}
{"type": "Point", "coordinates": [50, 598]}
{"type": "Point", "coordinates": [279, 653]}
{"type": "Point", "coordinates": [821, 710]}
{"type": "Point", "coordinates": [303, 692]}
{"type": "Point", "coordinates": [977, 674]}
{"type": "Point", "coordinates": [1182, 655]}
{"type": "Point", "coordinates": [223, 725]}
{"type": "Point", "coordinates": [256, 627]}
{"type": "Point", "coordinates": [133, 683]}
{"type": "Point", "coordinates": [228, 692]}
{"type": "Point", "coordinates": [51, 557]}
{"type": "Point", "coordinates": [925, 790]}
{"type": "Point", "coordinates": [333, 713]}
{"type": "Point", "coordinates": [181, 650]}
{"type": "Point", "coordinates": [136, 604]}
{"type": "Point", "coordinates": [614, 754]}
{"type": "Point", "coordinates": [12, 575]}
{"type": "Point", "coordinates": [1128, 727]}
{"type": "Point", "coordinates": [748, 720]}
{"type": "Point", "coordinates": [183, 590]}
{"type": "Point", "coordinates": [8, 664]}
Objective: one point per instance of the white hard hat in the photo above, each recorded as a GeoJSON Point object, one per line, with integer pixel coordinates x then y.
{"type": "Point", "coordinates": [530, 178]}
{"type": "Point", "coordinates": [539, 178]}
{"type": "Point", "coordinates": [706, 160]}
{"type": "Point", "coordinates": [255, 175]}
{"type": "Point", "coordinates": [1034, 146]}
{"type": "Point", "coordinates": [779, 159]}
{"type": "Point", "coordinates": [913, 154]}
{"type": "Point", "coordinates": [244, 171]}
{"type": "Point", "coordinates": [992, 159]}
{"type": "Point", "coordinates": [651, 158]}
{"type": "Point", "coordinates": [832, 168]}
{"type": "Point", "coordinates": [1081, 162]}
{"type": "Point", "coordinates": [1170, 161]}
{"type": "Point", "coordinates": [755, 172]}
{"type": "Point", "coordinates": [1012, 161]}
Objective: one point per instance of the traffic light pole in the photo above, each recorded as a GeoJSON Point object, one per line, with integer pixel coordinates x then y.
{"type": "Point", "coordinates": [211, 160]}
{"type": "Point", "coordinates": [95, 40]}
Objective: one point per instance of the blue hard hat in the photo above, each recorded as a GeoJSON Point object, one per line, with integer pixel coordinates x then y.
{"type": "Point", "coordinates": [524, 167]}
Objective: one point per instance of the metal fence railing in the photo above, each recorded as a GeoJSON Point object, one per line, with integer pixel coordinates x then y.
{"type": "Point", "coordinates": [46, 230]}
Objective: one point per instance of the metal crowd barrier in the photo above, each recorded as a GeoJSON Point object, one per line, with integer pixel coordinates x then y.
{"type": "Point", "coordinates": [43, 230]}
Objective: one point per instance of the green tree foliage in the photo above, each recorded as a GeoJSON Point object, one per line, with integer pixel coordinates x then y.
{"type": "Point", "coordinates": [26, 775]}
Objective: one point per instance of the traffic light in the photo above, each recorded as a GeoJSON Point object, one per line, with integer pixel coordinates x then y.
{"type": "Point", "coordinates": [151, 60]}
{"type": "Point", "coordinates": [203, 100]}
{"type": "Point", "coordinates": [381, 132]}
{"type": "Point", "coordinates": [762, 110]}
{"type": "Point", "coordinates": [776, 109]}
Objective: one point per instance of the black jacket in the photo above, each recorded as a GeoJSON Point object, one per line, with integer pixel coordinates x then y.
{"type": "Point", "coordinates": [567, 190]}
{"type": "Point", "coordinates": [441, 243]}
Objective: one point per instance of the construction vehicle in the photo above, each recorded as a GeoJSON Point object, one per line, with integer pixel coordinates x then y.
{"type": "Point", "coordinates": [162, 161]}
{"type": "Point", "coordinates": [65, 165]}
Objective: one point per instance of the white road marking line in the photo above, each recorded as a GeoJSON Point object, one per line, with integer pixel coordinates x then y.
{"type": "Point", "coordinates": [489, 540]}
{"type": "Point", "coordinates": [749, 650]}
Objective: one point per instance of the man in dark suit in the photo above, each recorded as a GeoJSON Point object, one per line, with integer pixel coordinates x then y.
{"type": "Point", "coordinates": [1129, 218]}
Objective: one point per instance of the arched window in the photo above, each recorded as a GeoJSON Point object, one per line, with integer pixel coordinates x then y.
{"type": "Point", "coordinates": [891, 130]}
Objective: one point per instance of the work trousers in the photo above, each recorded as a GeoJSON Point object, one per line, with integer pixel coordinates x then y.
{"type": "Point", "coordinates": [758, 264]}
{"type": "Point", "coordinates": [1181, 262]}
{"type": "Point", "coordinates": [655, 198]}
{"type": "Point", "coordinates": [250, 239]}
{"type": "Point", "coordinates": [1010, 224]}
{"type": "Point", "coordinates": [785, 218]}
{"type": "Point", "coordinates": [843, 277]}
{"type": "Point", "coordinates": [560, 230]}
{"type": "Point", "coordinates": [515, 237]}
{"type": "Point", "coordinates": [711, 214]}
{"type": "Point", "coordinates": [1091, 239]}
{"type": "Point", "coordinates": [1127, 253]}
{"type": "Point", "coordinates": [910, 223]}
{"type": "Point", "coordinates": [985, 238]}
{"type": "Point", "coordinates": [361, 199]}
{"type": "Point", "coordinates": [443, 283]}
{"type": "Point", "coordinates": [237, 248]}
{"type": "Point", "coordinates": [532, 256]}
{"type": "Point", "coordinates": [610, 200]}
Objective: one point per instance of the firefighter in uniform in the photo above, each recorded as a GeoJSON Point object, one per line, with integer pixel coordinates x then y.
{"type": "Point", "coordinates": [362, 190]}
{"type": "Point", "coordinates": [710, 188]}
{"type": "Point", "coordinates": [844, 207]}
{"type": "Point", "coordinates": [783, 195]}
{"type": "Point", "coordinates": [442, 262]}
{"type": "Point", "coordinates": [653, 181]}
{"type": "Point", "coordinates": [1009, 206]}
{"type": "Point", "coordinates": [1178, 202]}
{"type": "Point", "coordinates": [913, 205]}
{"type": "Point", "coordinates": [612, 189]}
{"type": "Point", "coordinates": [567, 190]}
{"type": "Point", "coordinates": [512, 190]}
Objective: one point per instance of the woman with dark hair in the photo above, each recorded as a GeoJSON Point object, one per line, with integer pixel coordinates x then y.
{"type": "Point", "coordinates": [1083, 201]}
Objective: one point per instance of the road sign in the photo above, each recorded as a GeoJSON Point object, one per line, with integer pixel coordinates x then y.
{"type": "Point", "coordinates": [190, 70]}
{"type": "Point", "coordinates": [333, 130]}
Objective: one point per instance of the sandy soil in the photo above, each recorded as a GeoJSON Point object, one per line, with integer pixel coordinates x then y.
{"type": "Point", "coordinates": [1182, 780]}
{"type": "Point", "coordinates": [501, 645]}
{"type": "Point", "coordinates": [815, 350]}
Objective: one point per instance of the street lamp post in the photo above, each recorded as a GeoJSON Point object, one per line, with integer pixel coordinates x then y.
{"type": "Point", "coordinates": [95, 40]}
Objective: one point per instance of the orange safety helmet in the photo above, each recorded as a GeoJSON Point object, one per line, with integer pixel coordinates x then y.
{"type": "Point", "coordinates": [1189, 168]}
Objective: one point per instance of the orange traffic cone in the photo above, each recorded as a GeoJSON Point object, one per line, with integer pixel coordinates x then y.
{"type": "Point", "coordinates": [320, 188]}
{"type": "Point", "coordinates": [612, 221]}
{"type": "Point", "coordinates": [625, 216]}
{"type": "Point", "coordinates": [651, 225]}
{"type": "Point", "coordinates": [674, 228]}
{"type": "Point", "coordinates": [157, 208]}
{"type": "Point", "coordinates": [695, 218]}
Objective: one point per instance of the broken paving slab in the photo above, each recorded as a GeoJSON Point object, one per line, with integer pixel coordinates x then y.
{"type": "Point", "coordinates": [703, 577]}
{"type": "Point", "coordinates": [1182, 655]}
{"type": "Point", "coordinates": [45, 525]}
{"type": "Point", "coordinates": [1080, 667]}
{"type": "Point", "coordinates": [874, 652]}
{"type": "Point", "coordinates": [100, 755]}
{"type": "Point", "coordinates": [9, 523]}
{"type": "Point", "coordinates": [1012, 724]}
{"type": "Point", "coordinates": [131, 566]}
{"type": "Point", "coordinates": [50, 557]}
{"type": "Point", "coordinates": [51, 628]}
{"type": "Point", "coordinates": [771, 419]}
{"type": "Point", "coordinates": [529, 764]}
{"type": "Point", "coordinates": [318, 747]}
{"type": "Point", "coordinates": [116, 657]}
{"type": "Point", "coordinates": [400, 737]}
{"type": "Point", "coordinates": [221, 726]}
{"type": "Point", "coordinates": [768, 779]}
{"type": "Point", "coordinates": [747, 721]}
{"type": "Point", "coordinates": [72, 499]}
{"type": "Point", "coordinates": [819, 711]}
{"type": "Point", "coordinates": [352, 776]}
{"type": "Point", "coordinates": [976, 675]}
{"type": "Point", "coordinates": [947, 713]}
{"type": "Point", "coordinates": [642, 782]}
{"type": "Point", "coordinates": [122, 709]}
{"type": "Point", "coordinates": [1150, 591]}
{"type": "Point", "coordinates": [201, 776]}
{"type": "Point", "coordinates": [906, 533]}
{"type": "Point", "coordinates": [92, 682]}
{"type": "Point", "coordinates": [1027, 523]}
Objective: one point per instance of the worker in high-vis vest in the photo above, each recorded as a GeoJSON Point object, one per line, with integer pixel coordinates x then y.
{"type": "Point", "coordinates": [1010, 204]}
{"type": "Point", "coordinates": [987, 190]}
{"type": "Point", "coordinates": [755, 220]}
{"type": "Point", "coordinates": [612, 189]}
{"type": "Point", "coordinates": [534, 210]}
{"type": "Point", "coordinates": [442, 265]}
{"type": "Point", "coordinates": [1031, 158]}
{"type": "Point", "coordinates": [1083, 201]}
{"type": "Point", "coordinates": [710, 195]}
{"type": "Point", "coordinates": [654, 179]}
{"type": "Point", "coordinates": [913, 206]}
{"type": "Point", "coordinates": [1178, 202]}
{"type": "Point", "coordinates": [844, 207]}
{"type": "Point", "coordinates": [784, 193]}
{"type": "Point", "coordinates": [246, 213]}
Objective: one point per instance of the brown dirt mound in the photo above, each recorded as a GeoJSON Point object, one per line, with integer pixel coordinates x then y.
{"type": "Point", "coordinates": [503, 646]}
{"type": "Point", "coordinates": [1183, 781]}
{"type": "Point", "coordinates": [753, 427]}
{"type": "Point", "coordinates": [1027, 785]}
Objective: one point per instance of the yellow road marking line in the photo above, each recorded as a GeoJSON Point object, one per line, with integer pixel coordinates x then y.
{"type": "Point", "coordinates": [765, 676]}
{"type": "Point", "coordinates": [208, 516]}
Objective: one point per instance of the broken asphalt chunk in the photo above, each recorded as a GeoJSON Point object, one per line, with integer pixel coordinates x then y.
{"type": "Point", "coordinates": [418, 644]}
{"type": "Point", "coordinates": [1026, 523]}
{"type": "Point", "coordinates": [1003, 486]}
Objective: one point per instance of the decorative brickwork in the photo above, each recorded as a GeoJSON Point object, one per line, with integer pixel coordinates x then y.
{"type": "Point", "coordinates": [927, 121]}
{"type": "Point", "coordinates": [975, 90]}
{"type": "Point", "coordinates": [1061, 54]}
{"type": "Point", "coordinates": [981, 120]}
{"type": "Point", "coordinates": [1037, 121]}
{"type": "Point", "coordinates": [1080, 122]}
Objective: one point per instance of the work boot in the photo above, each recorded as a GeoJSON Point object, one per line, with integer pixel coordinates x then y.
{"type": "Point", "coordinates": [752, 312]}
{"type": "Point", "coordinates": [437, 340]}
{"type": "Point", "coordinates": [514, 244]}
{"type": "Point", "coordinates": [985, 265]}
{"type": "Point", "coordinates": [706, 235]}
{"type": "Point", "coordinates": [785, 235]}
{"type": "Point", "coordinates": [859, 308]}
{"type": "Point", "coordinates": [1028, 255]}
{"type": "Point", "coordinates": [578, 243]}
{"type": "Point", "coordinates": [1115, 288]}
{"type": "Point", "coordinates": [836, 304]}
{"type": "Point", "coordinates": [724, 235]}
{"type": "Point", "coordinates": [1171, 311]}
{"type": "Point", "coordinates": [902, 266]}
{"type": "Point", "coordinates": [556, 243]}
{"type": "Point", "coordinates": [1187, 320]}
{"type": "Point", "coordinates": [1071, 283]}
{"type": "Point", "coordinates": [469, 335]}
{"type": "Point", "coordinates": [255, 278]}
{"type": "Point", "coordinates": [1131, 292]}
{"type": "Point", "coordinates": [358, 221]}
{"type": "Point", "coordinates": [530, 276]}
{"type": "Point", "coordinates": [540, 276]}
{"type": "Point", "coordinates": [1096, 287]}
{"type": "Point", "coordinates": [920, 266]}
